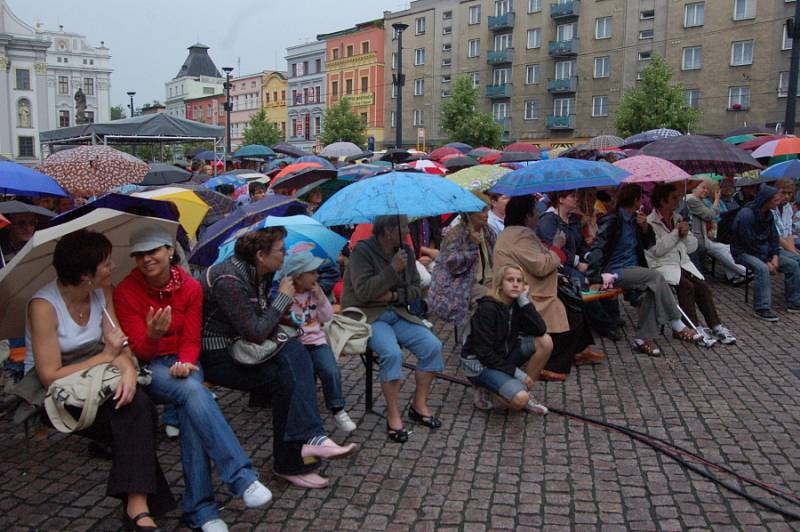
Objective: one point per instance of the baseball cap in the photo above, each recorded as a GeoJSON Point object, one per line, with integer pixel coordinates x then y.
{"type": "Point", "coordinates": [149, 238]}
{"type": "Point", "coordinates": [298, 263]}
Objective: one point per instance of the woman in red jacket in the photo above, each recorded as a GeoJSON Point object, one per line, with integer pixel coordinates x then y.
{"type": "Point", "coordinates": [161, 309]}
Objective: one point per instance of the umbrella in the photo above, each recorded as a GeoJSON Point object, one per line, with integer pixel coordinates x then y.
{"type": "Point", "coordinates": [760, 140]}
{"type": "Point", "coordinates": [481, 151]}
{"type": "Point", "coordinates": [774, 148]}
{"type": "Point", "coordinates": [323, 163]}
{"type": "Point", "coordinates": [205, 252]}
{"type": "Point", "coordinates": [340, 149]}
{"type": "Point", "coordinates": [121, 203]}
{"type": "Point", "coordinates": [490, 158]}
{"type": "Point", "coordinates": [559, 174]}
{"type": "Point", "coordinates": [226, 179]}
{"type": "Point", "coordinates": [192, 210]}
{"type": "Point", "coordinates": [302, 234]}
{"type": "Point", "coordinates": [457, 162]}
{"type": "Point", "coordinates": [481, 177]}
{"type": "Point", "coordinates": [760, 180]}
{"type": "Point", "coordinates": [288, 149]}
{"type": "Point", "coordinates": [739, 139]}
{"type": "Point", "coordinates": [460, 146]}
{"type": "Point", "coordinates": [92, 170]}
{"type": "Point", "coordinates": [165, 174]}
{"type": "Point", "coordinates": [296, 167]}
{"type": "Point", "coordinates": [218, 204]}
{"type": "Point", "coordinates": [697, 154]}
{"type": "Point", "coordinates": [356, 172]}
{"type": "Point", "coordinates": [18, 207]}
{"type": "Point", "coordinates": [429, 167]}
{"type": "Point", "coordinates": [23, 181]}
{"type": "Point", "coordinates": [191, 154]}
{"type": "Point", "coordinates": [32, 267]}
{"type": "Point", "coordinates": [518, 156]}
{"type": "Point", "coordinates": [395, 156]}
{"type": "Point", "coordinates": [525, 147]}
{"type": "Point", "coordinates": [749, 130]}
{"type": "Point", "coordinates": [785, 170]}
{"type": "Point", "coordinates": [303, 180]}
{"type": "Point", "coordinates": [255, 151]}
{"type": "Point", "coordinates": [359, 156]}
{"type": "Point", "coordinates": [408, 193]}
{"type": "Point", "coordinates": [207, 155]}
{"type": "Point", "coordinates": [439, 153]}
{"type": "Point", "coordinates": [603, 142]}
{"type": "Point", "coordinates": [647, 169]}
{"type": "Point", "coordinates": [646, 137]}
{"type": "Point", "coordinates": [4, 221]}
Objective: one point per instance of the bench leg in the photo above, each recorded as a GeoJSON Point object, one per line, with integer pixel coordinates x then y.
{"type": "Point", "coordinates": [746, 285]}
{"type": "Point", "coordinates": [368, 362]}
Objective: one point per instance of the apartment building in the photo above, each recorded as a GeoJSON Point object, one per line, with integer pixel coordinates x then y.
{"type": "Point", "coordinates": [307, 92]}
{"type": "Point", "coordinates": [274, 86]}
{"type": "Point", "coordinates": [554, 72]}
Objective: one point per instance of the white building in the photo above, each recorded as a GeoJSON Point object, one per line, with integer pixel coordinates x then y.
{"type": "Point", "coordinates": [197, 77]}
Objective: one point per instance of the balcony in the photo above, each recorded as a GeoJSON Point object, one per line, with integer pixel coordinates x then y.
{"type": "Point", "coordinates": [502, 22]}
{"type": "Point", "coordinates": [563, 48]}
{"type": "Point", "coordinates": [565, 10]}
{"type": "Point", "coordinates": [498, 91]}
{"type": "Point", "coordinates": [561, 86]}
{"type": "Point", "coordinates": [499, 57]}
{"type": "Point", "coordinates": [560, 122]}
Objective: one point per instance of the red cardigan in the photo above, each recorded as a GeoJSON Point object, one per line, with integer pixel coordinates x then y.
{"type": "Point", "coordinates": [132, 299]}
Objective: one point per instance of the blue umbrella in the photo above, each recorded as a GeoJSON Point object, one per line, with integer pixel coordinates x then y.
{"type": "Point", "coordinates": [786, 170]}
{"type": "Point", "coordinates": [205, 252]}
{"type": "Point", "coordinates": [224, 179]}
{"type": "Point", "coordinates": [559, 174]}
{"type": "Point", "coordinates": [314, 159]}
{"type": "Point", "coordinates": [410, 193]}
{"type": "Point", "coordinates": [460, 146]}
{"type": "Point", "coordinates": [206, 155]}
{"type": "Point", "coordinates": [23, 181]}
{"type": "Point", "coordinates": [254, 150]}
{"type": "Point", "coordinates": [302, 234]}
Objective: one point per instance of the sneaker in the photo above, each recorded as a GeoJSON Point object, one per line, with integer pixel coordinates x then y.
{"type": "Point", "coordinates": [257, 494]}
{"type": "Point", "coordinates": [793, 309]}
{"type": "Point", "coordinates": [766, 315]}
{"type": "Point", "coordinates": [535, 407]}
{"type": "Point", "coordinates": [172, 431]}
{"type": "Point", "coordinates": [215, 525]}
{"type": "Point", "coordinates": [483, 399]}
{"type": "Point", "coordinates": [343, 421]}
{"type": "Point", "coordinates": [706, 338]}
{"type": "Point", "coordinates": [724, 336]}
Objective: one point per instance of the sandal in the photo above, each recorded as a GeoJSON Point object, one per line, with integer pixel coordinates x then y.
{"type": "Point", "coordinates": [428, 421]}
{"type": "Point", "coordinates": [396, 435]}
{"type": "Point", "coordinates": [647, 347]}
{"type": "Point", "coordinates": [687, 335]}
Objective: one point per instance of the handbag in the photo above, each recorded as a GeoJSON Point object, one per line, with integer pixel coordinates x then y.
{"type": "Point", "coordinates": [253, 354]}
{"type": "Point", "coordinates": [569, 293]}
{"type": "Point", "coordinates": [87, 390]}
{"type": "Point", "coordinates": [348, 335]}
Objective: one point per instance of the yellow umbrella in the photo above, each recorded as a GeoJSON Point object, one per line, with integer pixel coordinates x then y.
{"type": "Point", "coordinates": [191, 209]}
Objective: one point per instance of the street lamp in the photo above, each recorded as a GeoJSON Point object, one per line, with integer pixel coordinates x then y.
{"type": "Point", "coordinates": [399, 80]}
{"type": "Point", "coordinates": [228, 108]}
{"type": "Point", "coordinates": [131, 94]}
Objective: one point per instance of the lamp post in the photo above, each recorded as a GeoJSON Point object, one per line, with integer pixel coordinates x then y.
{"type": "Point", "coordinates": [228, 108]}
{"type": "Point", "coordinates": [399, 80]}
{"type": "Point", "coordinates": [132, 94]}
{"type": "Point", "coordinates": [793, 32]}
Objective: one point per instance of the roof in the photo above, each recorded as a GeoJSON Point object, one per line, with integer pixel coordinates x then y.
{"type": "Point", "coordinates": [146, 126]}
{"type": "Point", "coordinates": [377, 23]}
{"type": "Point", "coordinates": [198, 63]}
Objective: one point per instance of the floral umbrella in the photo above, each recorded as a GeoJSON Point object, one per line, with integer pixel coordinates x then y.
{"type": "Point", "coordinates": [482, 177]}
{"type": "Point", "coordinates": [93, 170]}
{"type": "Point", "coordinates": [647, 169]}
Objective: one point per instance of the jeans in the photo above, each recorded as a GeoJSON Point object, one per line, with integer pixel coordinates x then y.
{"type": "Point", "coordinates": [170, 416]}
{"type": "Point", "coordinates": [205, 437]}
{"type": "Point", "coordinates": [326, 368]}
{"type": "Point", "coordinates": [289, 378]}
{"type": "Point", "coordinates": [500, 382]}
{"type": "Point", "coordinates": [390, 332]}
{"type": "Point", "coordinates": [762, 291]}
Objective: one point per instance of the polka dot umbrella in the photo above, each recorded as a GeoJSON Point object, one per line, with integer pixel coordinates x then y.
{"type": "Point", "coordinates": [93, 170]}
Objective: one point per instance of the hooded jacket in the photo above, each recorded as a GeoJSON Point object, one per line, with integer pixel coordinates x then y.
{"type": "Point", "coordinates": [754, 230]}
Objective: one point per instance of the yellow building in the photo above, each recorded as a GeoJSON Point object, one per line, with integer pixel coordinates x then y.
{"type": "Point", "coordinates": [274, 85]}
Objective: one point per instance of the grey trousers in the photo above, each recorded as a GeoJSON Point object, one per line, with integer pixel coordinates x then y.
{"type": "Point", "coordinates": [658, 306]}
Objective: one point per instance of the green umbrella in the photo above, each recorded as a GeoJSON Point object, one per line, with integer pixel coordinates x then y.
{"type": "Point", "coordinates": [714, 177]}
{"type": "Point", "coordinates": [739, 139]}
{"type": "Point", "coordinates": [481, 177]}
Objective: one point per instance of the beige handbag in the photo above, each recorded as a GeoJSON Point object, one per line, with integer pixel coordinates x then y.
{"type": "Point", "coordinates": [348, 335]}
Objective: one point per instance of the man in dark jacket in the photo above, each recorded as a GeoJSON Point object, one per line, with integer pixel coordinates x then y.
{"type": "Point", "coordinates": [756, 245]}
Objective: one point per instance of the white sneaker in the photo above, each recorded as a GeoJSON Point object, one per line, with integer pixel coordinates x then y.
{"type": "Point", "coordinates": [343, 421]}
{"type": "Point", "coordinates": [172, 431]}
{"type": "Point", "coordinates": [535, 407]}
{"type": "Point", "coordinates": [215, 525]}
{"type": "Point", "coordinates": [706, 338]}
{"type": "Point", "coordinates": [723, 335]}
{"type": "Point", "coordinates": [257, 494]}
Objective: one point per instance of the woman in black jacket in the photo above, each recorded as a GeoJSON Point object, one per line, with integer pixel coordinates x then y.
{"type": "Point", "coordinates": [506, 334]}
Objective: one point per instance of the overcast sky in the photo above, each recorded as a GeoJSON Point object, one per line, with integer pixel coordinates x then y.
{"type": "Point", "coordinates": [148, 38]}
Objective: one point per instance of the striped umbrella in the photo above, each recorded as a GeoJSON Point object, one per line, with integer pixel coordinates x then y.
{"type": "Point", "coordinates": [774, 148]}
{"type": "Point", "coordinates": [646, 137]}
{"type": "Point", "coordinates": [603, 142]}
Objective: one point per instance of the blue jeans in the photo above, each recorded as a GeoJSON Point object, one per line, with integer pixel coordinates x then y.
{"type": "Point", "coordinates": [390, 332]}
{"type": "Point", "coordinates": [500, 382]}
{"type": "Point", "coordinates": [762, 292]}
{"type": "Point", "coordinates": [205, 437]}
{"type": "Point", "coordinates": [327, 370]}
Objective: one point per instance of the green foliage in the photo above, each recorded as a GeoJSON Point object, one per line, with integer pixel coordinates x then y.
{"type": "Point", "coordinates": [261, 131]}
{"type": "Point", "coordinates": [463, 120]}
{"type": "Point", "coordinates": [117, 112]}
{"type": "Point", "coordinates": [654, 103]}
{"type": "Point", "coordinates": [342, 125]}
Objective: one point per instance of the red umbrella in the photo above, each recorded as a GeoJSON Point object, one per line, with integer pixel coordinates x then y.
{"type": "Point", "coordinates": [523, 147]}
{"type": "Point", "coordinates": [4, 221]}
{"type": "Point", "coordinates": [429, 167]}
{"type": "Point", "coordinates": [490, 158]}
{"type": "Point", "coordinates": [93, 170]}
{"type": "Point", "coordinates": [294, 168]}
{"type": "Point", "coordinates": [481, 151]}
{"type": "Point", "coordinates": [439, 153]}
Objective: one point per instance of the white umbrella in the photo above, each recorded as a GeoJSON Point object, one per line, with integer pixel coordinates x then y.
{"type": "Point", "coordinates": [340, 149]}
{"type": "Point", "coordinates": [32, 267]}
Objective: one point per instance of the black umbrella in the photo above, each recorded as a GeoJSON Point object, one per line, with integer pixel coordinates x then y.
{"type": "Point", "coordinates": [458, 163]}
{"type": "Point", "coordinates": [165, 174]}
{"type": "Point", "coordinates": [191, 154]}
{"type": "Point", "coordinates": [396, 156]}
{"type": "Point", "coordinates": [517, 157]}
{"type": "Point", "coordinates": [749, 130]}
{"type": "Point", "coordinates": [359, 156]}
{"type": "Point", "coordinates": [303, 178]}
{"type": "Point", "coordinates": [288, 149]}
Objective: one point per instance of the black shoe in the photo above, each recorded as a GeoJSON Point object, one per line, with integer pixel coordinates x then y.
{"type": "Point", "coordinates": [793, 309]}
{"type": "Point", "coordinates": [131, 523]}
{"type": "Point", "coordinates": [738, 281]}
{"type": "Point", "coordinates": [766, 315]}
{"type": "Point", "coordinates": [396, 435]}
{"type": "Point", "coordinates": [428, 421]}
{"type": "Point", "coordinates": [260, 399]}
{"type": "Point", "coordinates": [615, 335]}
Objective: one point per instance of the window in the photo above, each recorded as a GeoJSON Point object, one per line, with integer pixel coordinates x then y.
{"type": "Point", "coordinates": [602, 66]}
{"type": "Point", "coordinates": [446, 61]}
{"type": "Point", "coordinates": [447, 30]}
{"type": "Point", "coordinates": [783, 85]}
{"type": "Point", "coordinates": [565, 32]}
{"type": "Point", "coordinates": [349, 50]}
{"type": "Point", "coordinates": [744, 9]}
{"type": "Point", "coordinates": [694, 15]}
{"type": "Point", "coordinates": [90, 117]}
{"type": "Point", "coordinates": [534, 6]}
{"type": "Point", "coordinates": [502, 7]}
{"type": "Point", "coordinates": [348, 86]}
{"type": "Point", "coordinates": [418, 118]}
{"type": "Point", "coordinates": [25, 146]}
{"type": "Point", "coordinates": [419, 26]}
{"type": "Point", "coordinates": [419, 56]}
{"type": "Point", "coordinates": [419, 87]}
{"type": "Point", "coordinates": [475, 14]}
{"type": "Point", "coordinates": [365, 47]}
{"type": "Point", "coordinates": [563, 106]}
{"type": "Point", "coordinates": [393, 119]}
{"type": "Point", "coordinates": [394, 60]}
{"type": "Point", "coordinates": [365, 118]}
{"type": "Point", "coordinates": [501, 76]}
{"type": "Point", "coordinates": [534, 38]}
{"type": "Point", "coordinates": [786, 42]}
{"type": "Point", "coordinates": [476, 79]}
{"type": "Point", "coordinates": [447, 15]}
{"type": "Point", "coordinates": [692, 58]}
{"type": "Point", "coordinates": [334, 54]}
{"type": "Point", "coordinates": [565, 69]}
{"type": "Point", "coordinates": [446, 78]}
{"type": "Point", "coordinates": [645, 34]}
{"type": "Point", "coordinates": [531, 110]}
{"type": "Point", "coordinates": [500, 110]}
{"type": "Point", "coordinates": [63, 119]}
{"type": "Point", "coordinates": [692, 97]}
{"type": "Point", "coordinates": [602, 28]}
{"type": "Point", "coordinates": [647, 14]}
{"type": "Point", "coordinates": [738, 98]}
{"type": "Point", "coordinates": [395, 33]}
{"type": "Point", "coordinates": [88, 86]}
{"type": "Point", "coordinates": [473, 48]}
{"type": "Point", "coordinates": [334, 89]}
{"type": "Point", "coordinates": [394, 91]}
{"type": "Point", "coordinates": [317, 98]}
{"type": "Point", "coordinates": [23, 80]}
{"type": "Point", "coordinates": [208, 90]}
{"type": "Point", "coordinates": [318, 66]}
{"type": "Point", "coordinates": [364, 84]}
{"type": "Point", "coordinates": [447, 47]}
{"type": "Point", "coordinates": [294, 70]}
{"type": "Point", "coordinates": [599, 105]}
{"type": "Point", "coordinates": [531, 74]}
{"type": "Point", "coordinates": [63, 85]}
{"type": "Point", "coordinates": [645, 56]}
{"type": "Point", "coordinates": [742, 53]}
{"type": "Point", "coordinates": [502, 42]}
{"type": "Point", "coordinates": [445, 93]}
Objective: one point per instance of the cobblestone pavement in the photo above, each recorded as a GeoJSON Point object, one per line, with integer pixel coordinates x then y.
{"type": "Point", "coordinates": [735, 405]}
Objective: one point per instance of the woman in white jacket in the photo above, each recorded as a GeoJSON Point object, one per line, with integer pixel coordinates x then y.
{"type": "Point", "coordinates": [670, 256]}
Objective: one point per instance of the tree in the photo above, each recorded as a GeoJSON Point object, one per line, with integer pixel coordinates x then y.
{"type": "Point", "coordinates": [117, 112]}
{"type": "Point", "coordinates": [464, 122]}
{"type": "Point", "coordinates": [655, 102]}
{"type": "Point", "coordinates": [342, 125]}
{"type": "Point", "coordinates": [261, 131]}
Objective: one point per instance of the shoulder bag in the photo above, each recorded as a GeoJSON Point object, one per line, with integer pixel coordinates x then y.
{"type": "Point", "coordinates": [348, 335]}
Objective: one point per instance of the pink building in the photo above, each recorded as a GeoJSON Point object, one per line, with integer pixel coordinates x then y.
{"type": "Point", "coordinates": [246, 101]}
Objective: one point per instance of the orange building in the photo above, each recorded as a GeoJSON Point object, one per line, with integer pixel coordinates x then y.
{"type": "Point", "coordinates": [354, 69]}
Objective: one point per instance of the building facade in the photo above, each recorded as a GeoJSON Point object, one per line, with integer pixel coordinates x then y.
{"type": "Point", "coordinates": [554, 72]}
{"type": "Point", "coordinates": [306, 93]}
{"type": "Point", "coordinates": [355, 70]}
{"type": "Point", "coordinates": [273, 98]}
{"type": "Point", "coordinates": [198, 76]}
{"type": "Point", "coordinates": [246, 102]}
{"type": "Point", "coordinates": [206, 109]}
